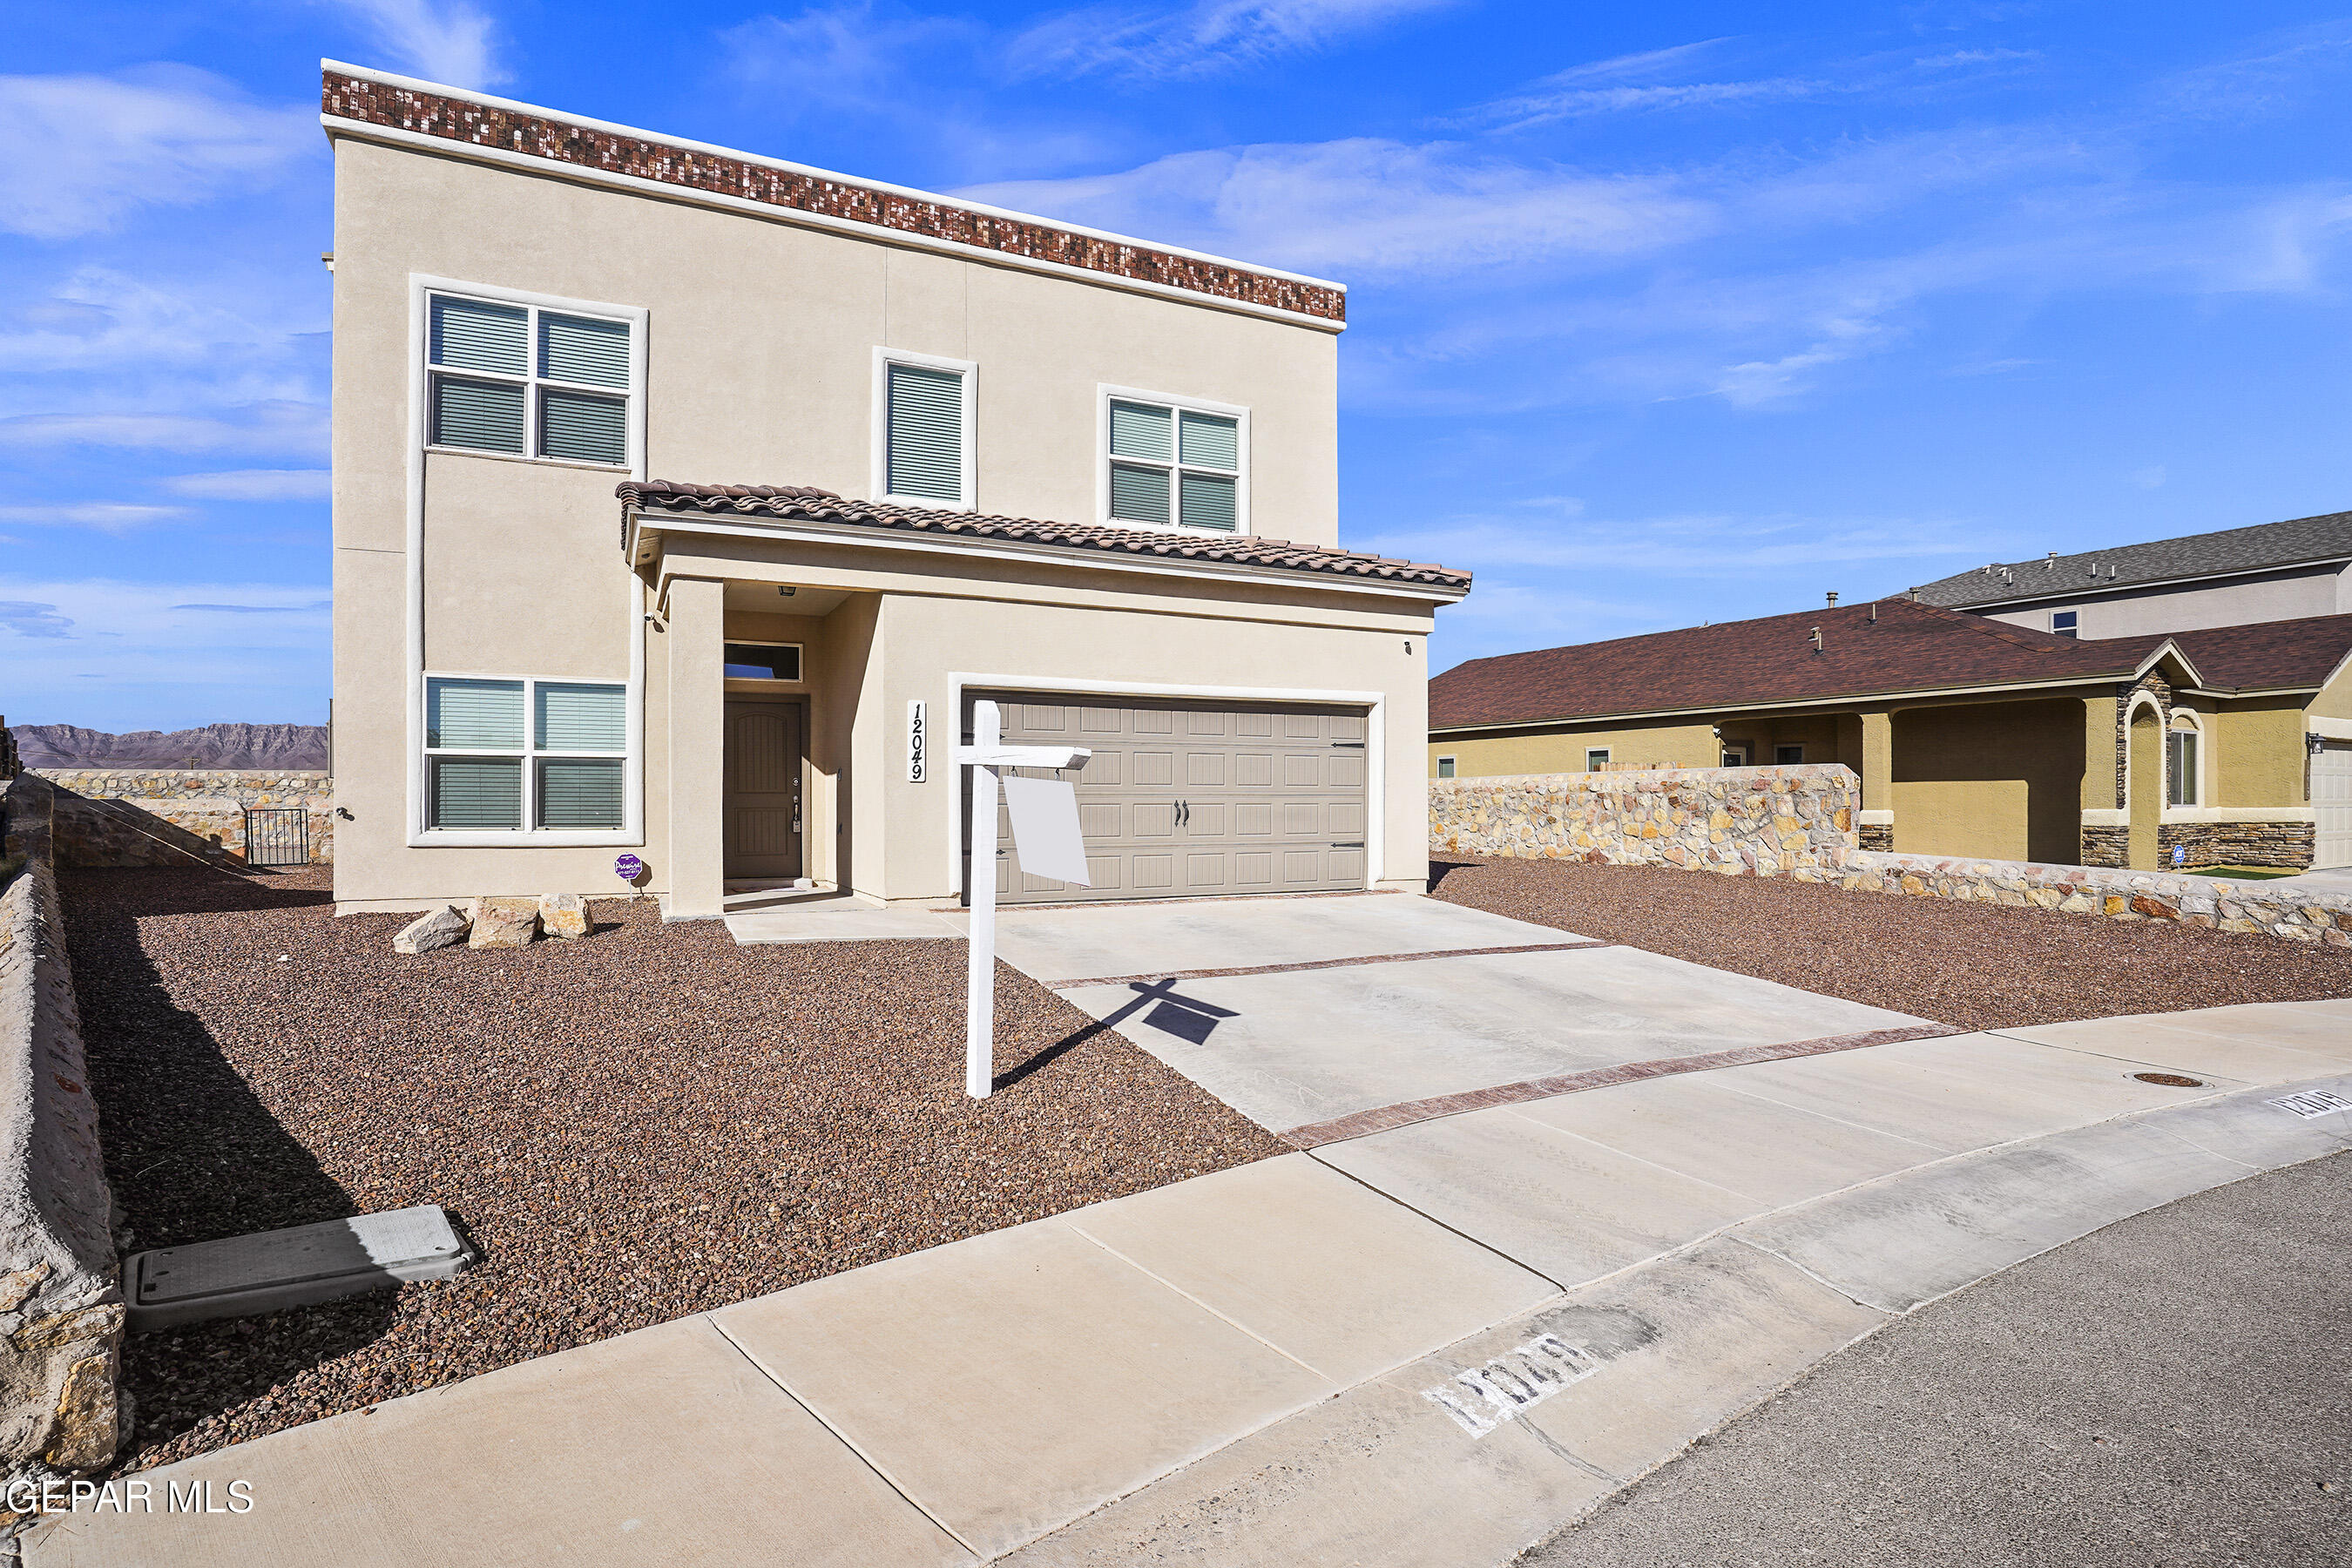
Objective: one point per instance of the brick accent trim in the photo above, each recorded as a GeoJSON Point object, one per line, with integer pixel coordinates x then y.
{"type": "Point", "coordinates": [1324, 964]}
{"type": "Point", "coordinates": [1382, 1119]}
{"type": "Point", "coordinates": [560, 142]}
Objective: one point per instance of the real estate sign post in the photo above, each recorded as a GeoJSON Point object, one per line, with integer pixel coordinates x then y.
{"type": "Point", "coordinates": [1046, 825]}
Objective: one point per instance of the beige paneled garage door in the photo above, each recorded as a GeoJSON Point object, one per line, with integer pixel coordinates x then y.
{"type": "Point", "coordinates": [1195, 800]}
{"type": "Point", "coordinates": [2331, 800]}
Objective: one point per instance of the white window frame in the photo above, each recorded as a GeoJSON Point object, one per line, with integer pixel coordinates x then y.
{"type": "Point", "coordinates": [1746, 752]}
{"type": "Point", "coordinates": [1448, 767]}
{"type": "Point", "coordinates": [749, 681]}
{"type": "Point", "coordinates": [1602, 765]}
{"type": "Point", "coordinates": [1105, 395]}
{"type": "Point", "coordinates": [633, 399]}
{"type": "Point", "coordinates": [2197, 782]}
{"type": "Point", "coordinates": [630, 757]}
{"type": "Point", "coordinates": [879, 483]}
{"type": "Point", "coordinates": [2074, 631]}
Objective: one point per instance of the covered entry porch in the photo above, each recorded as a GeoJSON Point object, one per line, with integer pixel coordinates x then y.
{"type": "Point", "coordinates": [1256, 726]}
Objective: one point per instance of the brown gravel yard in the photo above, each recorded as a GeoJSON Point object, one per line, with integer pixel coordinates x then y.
{"type": "Point", "coordinates": [635, 1126]}
{"type": "Point", "coordinates": [1979, 966]}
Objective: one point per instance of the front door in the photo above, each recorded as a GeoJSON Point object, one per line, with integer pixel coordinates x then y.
{"type": "Point", "coordinates": [762, 803]}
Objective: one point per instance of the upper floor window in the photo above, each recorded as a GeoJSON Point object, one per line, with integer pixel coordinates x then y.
{"type": "Point", "coordinates": [1177, 464]}
{"type": "Point", "coordinates": [2063, 622]}
{"type": "Point", "coordinates": [528, 382]}
{"type": "Point", "coordinates": [923, 443]}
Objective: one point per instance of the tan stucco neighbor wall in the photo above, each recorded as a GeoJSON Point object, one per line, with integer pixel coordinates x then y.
{"type": "Point", "coordinates": [2002, 780]}
{"type": "Point", "coordinates": [1677, 744]}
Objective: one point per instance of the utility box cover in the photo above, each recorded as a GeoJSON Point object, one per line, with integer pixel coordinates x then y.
{"type": "Point", "coordinates": [244, 1275]}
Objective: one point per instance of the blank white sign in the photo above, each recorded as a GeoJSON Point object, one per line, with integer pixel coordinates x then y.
{"type": "Point", "coordinates": [1044, 814]}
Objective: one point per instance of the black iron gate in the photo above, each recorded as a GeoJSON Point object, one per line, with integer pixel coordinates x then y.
{"type": "Point", "coordinates": [278, 835]}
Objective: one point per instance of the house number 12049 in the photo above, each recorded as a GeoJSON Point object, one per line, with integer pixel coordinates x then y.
{"type": "Point", "coordinates": [918, 739]}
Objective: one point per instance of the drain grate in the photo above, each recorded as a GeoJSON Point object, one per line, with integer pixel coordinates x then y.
{"type": "Point", "coordinates": [2171, 1080]}
{"type": "Point", "coordinates": [278, 1268]}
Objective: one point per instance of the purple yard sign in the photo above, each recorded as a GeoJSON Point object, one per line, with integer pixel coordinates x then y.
{"type": "Point", "coordinates": [628, 867]}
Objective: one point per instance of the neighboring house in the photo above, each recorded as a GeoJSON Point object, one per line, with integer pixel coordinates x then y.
{"type": "Point", "coordinates": [2274, 571]}
{"type": "Point", "coordinates": [1971, 736]}
{"type": "Point", "coordinates": [683, 507]}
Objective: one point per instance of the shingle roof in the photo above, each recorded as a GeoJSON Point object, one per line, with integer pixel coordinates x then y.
{"type": "Point", "coordinates": [655, 498]}
{"type": "Point", "coordinates": [1909, 647]}
{"type": "Point", "coordinates": [2264, 656]}
{"type": "Point", "coordinates": [2232, 550]}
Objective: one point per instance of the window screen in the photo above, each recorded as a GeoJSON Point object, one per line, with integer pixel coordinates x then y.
{"type": "Point", "coordinates": [518, 380]}
{"type": "Point", "coordinates": [925, 456]}
{"type": "Point", "coordinates": [1174, 464]}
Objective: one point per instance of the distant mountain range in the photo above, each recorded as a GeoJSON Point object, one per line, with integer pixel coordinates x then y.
{"type": "Point", "coordinates": [273, 746]}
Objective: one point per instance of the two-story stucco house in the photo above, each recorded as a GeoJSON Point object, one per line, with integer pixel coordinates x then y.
{"type": "Point", "coordinates": [685, 501]}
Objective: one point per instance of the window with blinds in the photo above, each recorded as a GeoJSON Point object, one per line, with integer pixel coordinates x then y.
{"type": "Point", "coordinates": [527, 382]}
{"type": "Point", "coordinates": [509, 755]}
{"type": "Point", "coordinates": [1174, 464]}
{"type": "Point", "coordinates": [924, 456]}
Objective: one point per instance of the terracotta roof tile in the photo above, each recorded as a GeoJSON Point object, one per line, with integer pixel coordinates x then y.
{"type": "Point", "coordinates": [653, 497]}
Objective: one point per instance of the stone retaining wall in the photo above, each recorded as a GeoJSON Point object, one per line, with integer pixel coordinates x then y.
{"type": "Point", "coordinates": [2295, 914]}
{"type": "Point", "coordinates": [1761, 821]}
{"type": "Point", "coordinates": [173, 817]}
{"type": "Point", "coordinates": [60, 1307]}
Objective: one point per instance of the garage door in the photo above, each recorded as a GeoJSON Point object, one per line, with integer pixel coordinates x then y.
{"type": "Point", "coordinates": [1194, 800]}
{"type": "Point", "coordinates": [2331, 800]}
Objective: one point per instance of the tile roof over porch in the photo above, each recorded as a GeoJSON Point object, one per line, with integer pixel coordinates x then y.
{"type": "Point", "coordinates": [653, 498]}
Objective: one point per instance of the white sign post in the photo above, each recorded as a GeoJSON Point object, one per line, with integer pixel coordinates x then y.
{"type": "Point", "coordinates": [1036, 812]}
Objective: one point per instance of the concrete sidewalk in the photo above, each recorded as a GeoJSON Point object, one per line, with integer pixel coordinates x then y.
{"type": "Point", "coordinates": [1436, 1344]}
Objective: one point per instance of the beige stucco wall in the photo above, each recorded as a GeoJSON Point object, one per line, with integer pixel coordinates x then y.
{"type": "Point", "coordinates": [1677, 744]}
{"type": "Point", "coordinates": [2191, 607]}
{"type": "Point", "coordinates": [759, 351]}
{"type": "Point", "coordinates": [2255, 754]}
{"type": "Point", "coordinates": [2002, 780]}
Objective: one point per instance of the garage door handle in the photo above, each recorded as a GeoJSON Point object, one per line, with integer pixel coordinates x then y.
{"type": "Point", "coordinates": [1183, 812]}
{"type": "Point", "coordinates": [1350, 844]}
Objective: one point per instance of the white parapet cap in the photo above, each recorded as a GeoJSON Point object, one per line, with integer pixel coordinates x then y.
{"type": "Point", "coordinates": [490, 101]}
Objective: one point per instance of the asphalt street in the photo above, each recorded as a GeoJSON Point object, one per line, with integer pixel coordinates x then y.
{"type": "Point", "coordinates": [2171, 1392]}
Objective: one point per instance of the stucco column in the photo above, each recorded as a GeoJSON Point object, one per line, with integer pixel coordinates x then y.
{"type": "Point", "coordinates": [1875, 824]}
{"type": "Point", "coordinates": [698, 747]}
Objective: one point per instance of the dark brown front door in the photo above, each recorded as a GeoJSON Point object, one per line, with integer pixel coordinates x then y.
{"type": "Point", "coordinates": [763, 789]}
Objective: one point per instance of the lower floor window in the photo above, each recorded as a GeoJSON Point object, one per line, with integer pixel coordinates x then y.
{"type": "Point", "coordinates": [1788, 756]}
{"type": "Point", "coordinates": [506, 755]}
{"type": "Point", "coordinates": [1596, 761]}
{"type": "Point", "coordinates": [2181, 767]}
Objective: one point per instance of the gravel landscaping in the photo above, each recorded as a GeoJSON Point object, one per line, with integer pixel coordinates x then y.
{"type": "Point", "coordinates": [1977, 966]}
{"type": "Point", "coordinates": [634, 1126]}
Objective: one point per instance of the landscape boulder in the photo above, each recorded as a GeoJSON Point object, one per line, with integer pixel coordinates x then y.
{"type": "Point", "coordinates": [504, 922]}
{"type": "Point", "coordinates": [562, 915]}
{"type": "Point", "coordinates": [445, 927]}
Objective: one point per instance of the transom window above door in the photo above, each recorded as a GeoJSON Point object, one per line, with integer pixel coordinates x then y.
{"type": "Point", "coordinates": [528, 381]}
{"type": "Point", "coordinates": [1173, 464]}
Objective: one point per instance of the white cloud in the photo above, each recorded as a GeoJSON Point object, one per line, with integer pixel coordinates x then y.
{"type": "Point", "coordinates": [88, 151]}
{"type": "Point", "coordinates": [838, 55]}
{"type": "Point", "coordinates": [255, 484]}
{"type": "Point", "coordinates": [27, 620]}
{"type": "Point", "coordinates": [104, 318]}
{"type": "Point", "coordinates": [452, 41]}
{"type": "Point", "coordinates": [1198, 39]}
{"type": "Point", "coordinates": [1367, 206]}
{"type": "Point", "coordinates": [262, 428]}
{"type": "Point", "coordinates": [1717, 545]}
{"type": "Point", "coordinates": [107, 517]}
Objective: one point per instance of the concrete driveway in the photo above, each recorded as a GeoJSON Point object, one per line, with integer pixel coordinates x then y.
{"type": "Point", "coordinates": [1313, 1013]}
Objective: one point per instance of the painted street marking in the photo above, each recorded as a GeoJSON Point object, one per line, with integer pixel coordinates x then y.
{"type": "Point", "coordinates": [1506, 1388]}
{"type": "Point", "coordinates": [2312, 1102]}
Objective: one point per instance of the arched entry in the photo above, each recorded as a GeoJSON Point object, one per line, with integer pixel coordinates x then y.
{"type": "Point", "coordinates": [2146, 785]}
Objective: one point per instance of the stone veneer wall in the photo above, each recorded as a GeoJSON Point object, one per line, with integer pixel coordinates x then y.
{"type": "Point", "coordinates": [1760, 821]}
{"type": "Point", "coordinates": [2296, 914]}
{"type": "Point", "coordinates": [2287, 844]}
{"type": "Point", "coordinates": [60, 1307]}
{"type": "Point", "coordinates": [175, 816]}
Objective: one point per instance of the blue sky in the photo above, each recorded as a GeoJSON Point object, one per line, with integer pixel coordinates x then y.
{"type": "Point", "coordinates": [1656, 317]}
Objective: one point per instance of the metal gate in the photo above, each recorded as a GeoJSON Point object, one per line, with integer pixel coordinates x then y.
{"type": "Point", "coordinates": [278, 835]}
